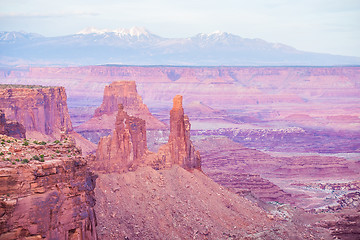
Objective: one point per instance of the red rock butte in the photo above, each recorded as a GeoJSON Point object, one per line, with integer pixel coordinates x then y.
{"type": "Point", "coordinates": [120, 92]}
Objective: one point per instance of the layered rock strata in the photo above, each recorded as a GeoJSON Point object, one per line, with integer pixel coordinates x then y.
{"type": "Point", "coordinates": [125, 147]}
{"type": "Point", "coordinates": [11, 128]}
{"type": "Point", "coordinates": [41, 110]}
{"type": "Point", "coordinates": [120, 92]}
{"type": "Point", "coordinates": [46, 191]}
{"type": "Point", "coordinates": [179, 149]}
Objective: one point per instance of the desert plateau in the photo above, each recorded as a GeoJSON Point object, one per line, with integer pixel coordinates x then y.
{"type": "Point", "coordinates": [234, 156]}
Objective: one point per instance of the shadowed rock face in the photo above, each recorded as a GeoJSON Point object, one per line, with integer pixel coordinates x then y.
{"type": "Point", "coordinates": [49, 196]}
{"type": "Point", "coordinates": [40, 110]}
{"type": "Point", "coordinates": [11, 128]}
{"type": "Point", "coordinates": [125, 147]}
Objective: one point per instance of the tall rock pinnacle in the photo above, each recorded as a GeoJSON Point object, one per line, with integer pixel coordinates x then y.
{"type": "Point", "coordinates": [125, 147]}
{"type": "Point", "coordinates": [179, 150]}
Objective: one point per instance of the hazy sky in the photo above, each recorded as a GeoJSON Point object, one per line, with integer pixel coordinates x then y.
{"type": "Point", "coordinates": [329, 26]}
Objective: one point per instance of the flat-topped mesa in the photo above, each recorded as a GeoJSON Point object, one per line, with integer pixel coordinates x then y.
{"type": "Point", "coordinates": [121, 92]}
{"type": "Point", "coordinates": [11, 128]}
{"type": "Point", "coordinates": [179, 149]}
{"type": "Point", "coordinates": [41, 110]}
{"type": "Point", "coordinates": [125, 147]}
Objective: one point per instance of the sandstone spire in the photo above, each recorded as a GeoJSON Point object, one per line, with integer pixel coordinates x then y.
{"type": "Point", "coordinates": [179, 150]}
{"type": "Point", "coordinates": [125, 147]}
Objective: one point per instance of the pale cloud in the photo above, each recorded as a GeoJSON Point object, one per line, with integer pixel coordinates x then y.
{"type": "Point", "coordinates": [47, 15]}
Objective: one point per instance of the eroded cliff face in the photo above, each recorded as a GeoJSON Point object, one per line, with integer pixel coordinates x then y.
{"type": "Point", "coordinates": [179, 149]}
{"type": "Point", "coordinates": [125, 147]}
{"type": "Point", "coordinates": [46, 191]}
{"type": "Point", "coordinates": [11, 128]}
{"type": "Point", "coordinates": [120, 92]}
{"type": "Point", "coordinates": [41, 110]}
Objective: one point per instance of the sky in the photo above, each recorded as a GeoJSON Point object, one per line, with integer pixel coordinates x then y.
{"type": "Point", "coordinates": [323, 26]}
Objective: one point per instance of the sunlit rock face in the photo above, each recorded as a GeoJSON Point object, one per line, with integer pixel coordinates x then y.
{"type": "Point", "coordinates": [41, 110]}
{"type": "Point", "coordinates": [125, 147]}
{"type": "Point", "coordinates": [46, 191]}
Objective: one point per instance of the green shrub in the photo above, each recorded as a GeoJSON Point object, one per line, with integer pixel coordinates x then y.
{"type": "Point", "coordinates": [1, 154]}
{"type": "Point", "coordinates": [35, 142]}
{"type": "Point", "coordinates": [42, 160]}
{"type": "Point", "coordinates": [56, 141]}
{"type": "Point", "coordinates": [24, 160]}
{"type": "Point", "coordinates": [26, 143]}
{"type": "Point", "coordinates": [36, 157]}
{"type": "Point", "coordinates": [42, 143]}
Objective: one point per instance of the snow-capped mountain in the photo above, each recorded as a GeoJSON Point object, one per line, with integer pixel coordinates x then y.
{"type": "Point", "coordinates": [133, 32]}
{"type": "Point", "coordinates": [138, 46]}
{"type": "Point", "coordinates": [12, 37]}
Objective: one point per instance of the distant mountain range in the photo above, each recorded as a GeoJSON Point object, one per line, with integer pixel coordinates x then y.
{"type": "Point", "coordinates": [138, 46]}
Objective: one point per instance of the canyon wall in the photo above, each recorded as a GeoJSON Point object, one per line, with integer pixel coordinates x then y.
{"type": "Point", "coordinates": [41, 110]}
{"type": "Point", "coordinates": [309, 81]}
{"type": "Point", "coordinates": [314, 97]}
{"type": "Point", "coordinates": [46, 191]}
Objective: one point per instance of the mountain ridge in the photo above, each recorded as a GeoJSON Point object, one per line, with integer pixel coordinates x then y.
{"type": "Point", "coordinates": [138, 46]}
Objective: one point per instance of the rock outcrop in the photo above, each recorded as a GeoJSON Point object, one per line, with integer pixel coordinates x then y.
{"type": "Point", "coordinates": [41, 110]}
{"type": "Point", "coordinates": [179, 150]}
{"type": "Point", "coordinates": [120, 92]}
{"type": "Point", "coordinates": [11, 128]}
{"type": "Point", "coordinates": [125, 147]}
{"type": "Point", "coordinates": [46, 191]}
